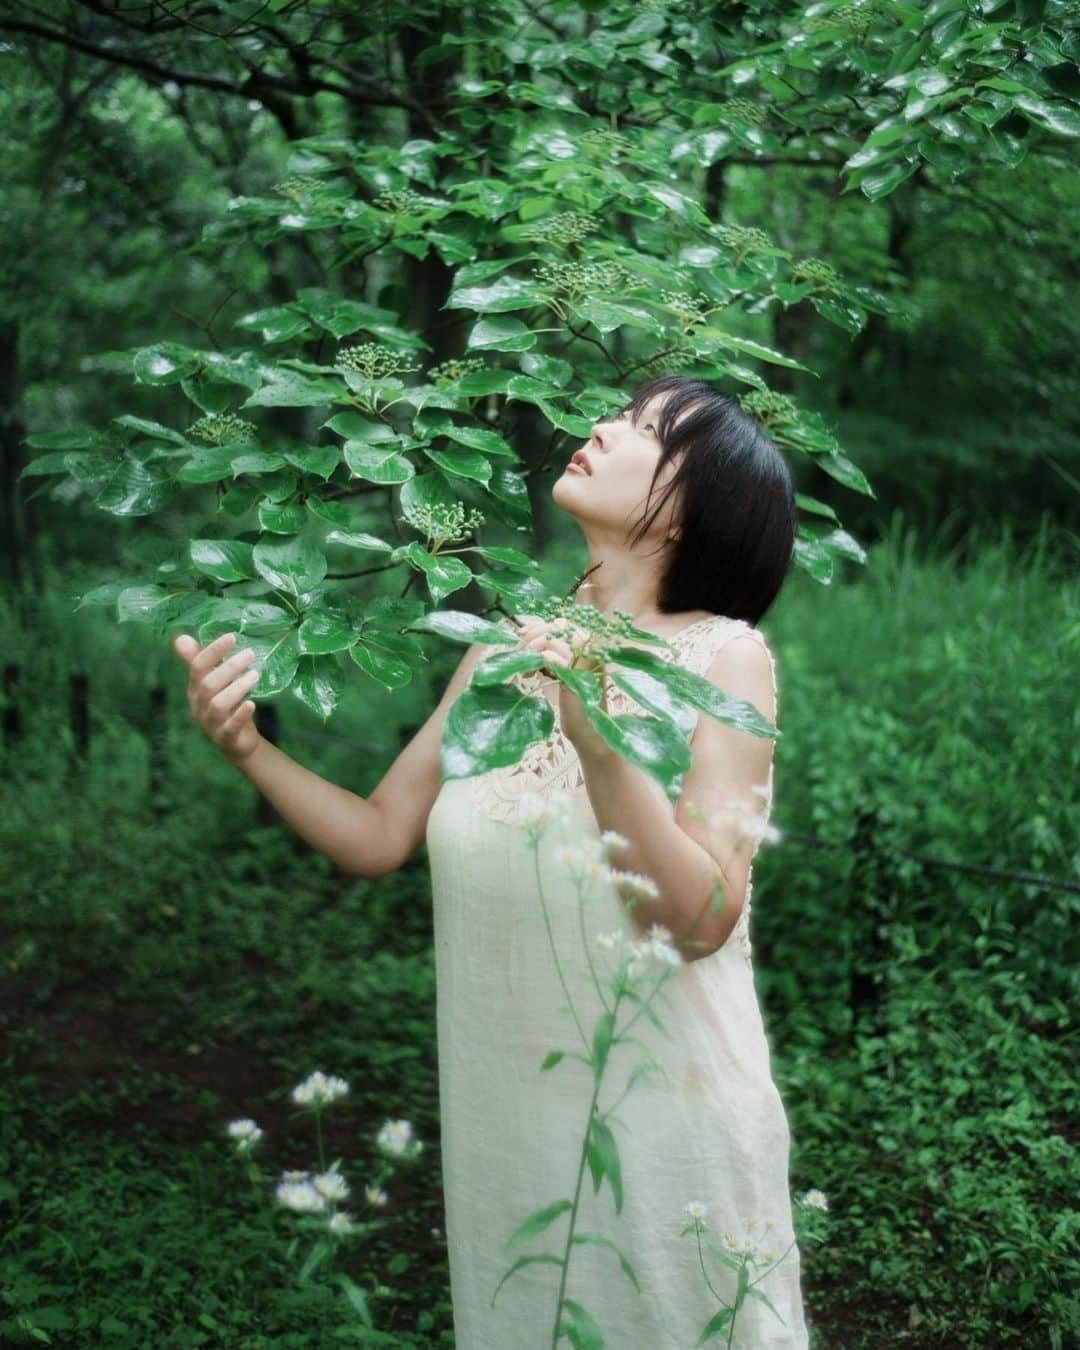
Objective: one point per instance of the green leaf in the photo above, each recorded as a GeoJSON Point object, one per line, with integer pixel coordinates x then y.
{"type": "Point", "coordinates": [655, 695]}
{"type": "Point", "coordinates": [389, 670]}
{"type": "Point", "coordinates": [480, 438]}
{"type": "Point", "coordinates": [521, 1262]}
{"type": "Point", "coordinates": [602, 1241]}
{"type": "Point", "coordinates": [134, 603]}
{"type": "Point", "coordinates": [487, 728]}
{"type": "Point", "coordinates": [536, 1223]}
{"type": "Point", "coordinates": [164, 363]}
{"type": "Point", "coordinates": [320, 460]}
{"type": "Point", "coordinates": [215, 463]}
{"type": "Point", "coordinates": [550, 368]}
{"type": "Point", "coordinates": [495, 297]}
{"type": "Point", "coordinates": [603, 1034]}
{"type": "Point", "coordinates": [276, 323]}
{"type": "Point", "coordinates": [507, 557]}
{"type": "Point", "coordinates": [154, 430]}
{"type": "Point", "coordinates": [500, 334]}
{"type": "Point", "coordinates": [607, 315]}
{"type": "Point", "coordinates": [294, 564]}
{"type": "Point", "coordinates": [495, 669]}
{"type": "Point", "coordinates": [323, 631]}
{"type": "Point", "coordinates": [460, 626]}
{"type": "Point", "coordinates": [751, 348]}
{"type": "Point", "coordinates": [838, 466]}
{"type": "Point", "coordinates": [318, 685]}
{"type": "Point", "coordinates": [1061, 118]}
{"type": "Point", "coordinates": [223, 559]}
{"type": "Point", "coordinates": [656, 746]}
{"type": "Point", "coordinates": [716, 1324]}
{"type": "Point", "coordinates": [282, 518]}
{"type": "Point", "coordinates": [378, 464]}
{"type": "Point", "coordinates": [462, 463]}
{"type": "Point", "coordinates": [582, 1330]}
{"type": "Point", "coordinates": [603, 1156]}
{"type": "Point", "coordinates": [444, 575]}
{"type": "Point", "coordinates": [131, 489]}
{"type": "Point", "coordinates": [699, 692]}
{"type": "Point", "coordinates": [357, 539]}
{"type": "Point", "coordinates": [291, 389]}
{"type": "Point", "coordinates": [338, 514]}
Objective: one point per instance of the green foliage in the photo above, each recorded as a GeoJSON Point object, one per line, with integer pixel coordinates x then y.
{"type": "Point", "coordinates": [939, 1128]}
{"type": "Point", "coordinates": [560, 190]}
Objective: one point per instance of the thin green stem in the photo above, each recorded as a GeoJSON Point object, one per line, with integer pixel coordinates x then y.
{"type": "Point", "coordinates": [555, 954]}
{"type": "Point", "coordinates": [573, 1217]}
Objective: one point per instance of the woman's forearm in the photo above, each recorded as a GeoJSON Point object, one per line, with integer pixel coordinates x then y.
{"type": "Point", "coordinates": [346, 827]}
{"type": "Point", "coordinates": [625, 799]}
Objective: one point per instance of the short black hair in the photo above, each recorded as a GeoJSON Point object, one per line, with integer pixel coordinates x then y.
{"type": "Point", "coordinates": [736, 512]}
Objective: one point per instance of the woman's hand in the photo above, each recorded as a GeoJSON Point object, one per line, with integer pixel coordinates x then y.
{"type": "Point", "coordinates": [216, 694]}
{"type": "Point", "coordinates": [560, 640]}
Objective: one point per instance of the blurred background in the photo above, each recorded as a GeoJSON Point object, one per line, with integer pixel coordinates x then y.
{"type": "Point", "coordinates": [174, 958]}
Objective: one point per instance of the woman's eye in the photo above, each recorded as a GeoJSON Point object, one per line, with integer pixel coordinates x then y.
{"type": "Point", "coordinates": [649, 426]}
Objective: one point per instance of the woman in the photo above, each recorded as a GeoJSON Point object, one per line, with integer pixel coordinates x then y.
{"type": "Point", "coordinates": [519, 927]}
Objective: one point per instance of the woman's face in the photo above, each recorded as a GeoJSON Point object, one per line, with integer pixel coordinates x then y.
{"type": "Point", "coordinates": [605, 485]}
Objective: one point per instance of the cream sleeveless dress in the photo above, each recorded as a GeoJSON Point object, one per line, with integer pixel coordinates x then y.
{"type": "Point", "coordinates": [704, 1123]}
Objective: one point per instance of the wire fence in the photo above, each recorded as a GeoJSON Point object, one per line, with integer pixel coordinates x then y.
{"type": "Point", "coordinates": [864, 839]}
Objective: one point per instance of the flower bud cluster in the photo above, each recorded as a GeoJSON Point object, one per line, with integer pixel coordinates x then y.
{"type": "Point", "coordinates": [742, 110]}
{"type": "Point", "coordinates": [573, 280]}
{"type": "Point", "coordinates": [770, 406]}
{"type": "Point", "coordinates": [597, 634]}
{"type": "Point", "coordinates": [565, 228]}
{"type": "Point", "coordinates": [443, 524]}
{"type": "Point", "coordinates": [449, 372]}
{"type": "Point", "coordinates": [815, 270]}
{"type": "Point", "coordinates": [305, 187]}
{"type": "Point", "coordinates": [857, 18]}
{"type": "Point", "coordinates": [742, 240]}
{"type": "Point", "coordinates": [223, 429]}
{"type": "Point", "coordinates": [373, 360]}
{"type": "Point", "coordinates": [691, 309]}
{"type": "Point", "coordinates": [607, 142]}
{"type": "Point", "coordinates": [405, 202]}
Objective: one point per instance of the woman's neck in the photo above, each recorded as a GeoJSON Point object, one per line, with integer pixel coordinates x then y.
{"type": "Point", "coordinates": [613, 580]}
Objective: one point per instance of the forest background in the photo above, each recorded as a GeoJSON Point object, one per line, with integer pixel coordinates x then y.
{"type": "Point", "coordinates": [235, 236]}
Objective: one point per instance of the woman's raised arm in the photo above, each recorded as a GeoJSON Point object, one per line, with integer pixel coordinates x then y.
{"type": "Point", "coordinates": [364, 836]}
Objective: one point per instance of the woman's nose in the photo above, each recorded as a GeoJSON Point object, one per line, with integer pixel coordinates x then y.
{"type": "Point", "coordinates": [598, 435]}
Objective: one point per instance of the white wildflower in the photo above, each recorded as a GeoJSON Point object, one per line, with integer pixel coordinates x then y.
{"type": "Point", "coordinates": [570, 854]}
{"type": "Point", "coordinates": [318, 1089]}
{"type": "Point", "coordinates": [637, 884]}
{"type": "Point", "coordinates": [695, 1209]}
{"type": "Point", "coordinates": [301, 1196]}
{"type": "Point", "coordinates": [375, 1196]}
{"type": "Point", "coordinates": [340, 1223]}
{"type": "Point", "coordinates": [539, 809]}
{"type": "Point", "coordinates": [332, 1185]}
{"type": "Point", "coordinates": [750, 822]}
{"type": "Point", "coordinates": [244, 1131]}
{"type": "Point", "coordinates": [815, 1199]}
{"type": "Point", "coordinates": [611, 841]}
{"type": "Point", "coordinates": [396, 1136]}
{"type": "Point", "coordinates": [609, 940]}
{"type": "Point", "coordinates": [297, 1175]}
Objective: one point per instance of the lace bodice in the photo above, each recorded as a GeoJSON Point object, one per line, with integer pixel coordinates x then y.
{"type": "Point", "coordinates": [552, 765]}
